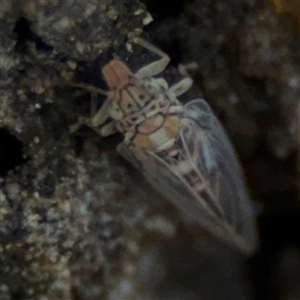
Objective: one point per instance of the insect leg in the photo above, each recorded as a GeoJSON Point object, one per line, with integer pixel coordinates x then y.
{"type": "Point", "coordinates": [109, 129]}
{"type": "Point", "coordinates": [186, 83]}
{"type": "Point", "coordinates": [183, 69]}
{"type": "Point", "coordinates": [76, 126]}
{"type": "Point", "coordinates": [93, 103]}
{"type": "Point", "coordinates": [102, 114]}
{"type": "Point", "coordinates": [85, 120]}
{"type": "Point", "coordinates": [182, 86]}
{"type": "Point", "coordinates": [153, 68]}
{"type": "Point", "coordinates": [97, 118]}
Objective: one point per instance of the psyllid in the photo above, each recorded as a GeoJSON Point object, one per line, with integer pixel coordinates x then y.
{"type": "Point", "coordinates": [182, 150]}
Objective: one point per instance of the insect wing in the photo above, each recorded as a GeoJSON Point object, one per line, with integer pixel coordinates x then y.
{"type": "Point", "coordinates": [225, 210]}
{"type": "Point", "coordinates": [161, 176]}
{"type": "Point", "coordinates": [215, 158]}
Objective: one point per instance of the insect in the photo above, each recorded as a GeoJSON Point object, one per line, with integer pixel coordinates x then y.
{"type": "Point", "coordinates": [183, 151]}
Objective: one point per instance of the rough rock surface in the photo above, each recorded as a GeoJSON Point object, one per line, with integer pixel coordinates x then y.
{"type": "Point", "coordinates": [77, 222]}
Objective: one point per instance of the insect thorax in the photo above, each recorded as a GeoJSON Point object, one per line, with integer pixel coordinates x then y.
{"type": "Point", "coordinates": [149, 114]}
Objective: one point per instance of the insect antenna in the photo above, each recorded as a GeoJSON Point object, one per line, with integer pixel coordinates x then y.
{"type": "Point", "coordinates": [89, 87]}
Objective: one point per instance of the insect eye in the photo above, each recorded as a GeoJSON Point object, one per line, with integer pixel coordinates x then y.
{"type": "Point", "coordinates": [134, 119]}
{"type": "Point", "coordinates": [129, 105]}
{"type": "Point", "coordinates": [142, 97]}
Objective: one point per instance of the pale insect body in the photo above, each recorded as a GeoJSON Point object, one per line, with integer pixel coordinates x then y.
{"type": "Point", "coordinates": [183, 151]}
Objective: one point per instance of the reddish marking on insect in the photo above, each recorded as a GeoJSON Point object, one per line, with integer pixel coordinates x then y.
{"type": "Point", "coordinates": [172, 124]}
{"type": "Point", "coordinates": [116, 74]}
{"type": "Point", "coordinates": [151, 124]}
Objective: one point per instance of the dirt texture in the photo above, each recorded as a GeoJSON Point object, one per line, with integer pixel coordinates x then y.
{"type": "Point", "coordinates": [77, 220]}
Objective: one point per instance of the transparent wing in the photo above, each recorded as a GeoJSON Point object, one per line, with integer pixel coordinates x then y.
{"type": "Point", "coordinates": [215, 158]}
{"type": "Point", "coordinates": [223, 207]}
